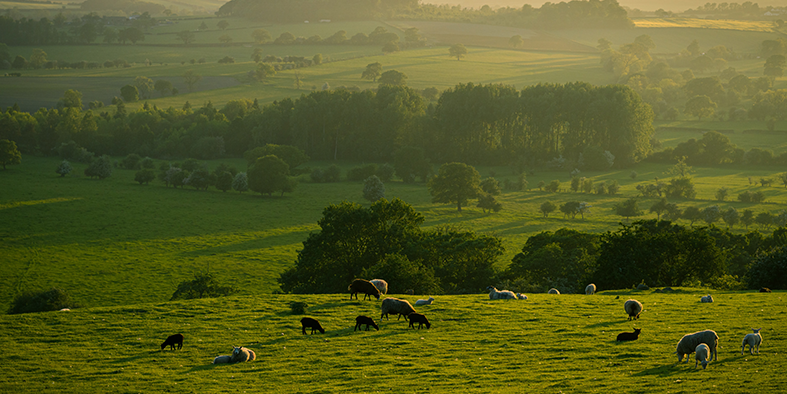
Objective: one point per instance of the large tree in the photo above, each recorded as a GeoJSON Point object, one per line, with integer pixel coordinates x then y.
{"type": "Point", "coordinates": [458, 51]}
{"type": "Point", "coordinates": [261, 36]}
{"type": "Point", "coordinates": [455, 183]}
{"type": "Point", "coordinates": [393, 77]}
{"type": "Point", "coordinates": [187, 37]}
{"type": "Point", "coordinates": [9, 154]}
{"type": "Point", "coordinates": [268, 174]}
{"type": "Point", "coordinates": [190, 77]}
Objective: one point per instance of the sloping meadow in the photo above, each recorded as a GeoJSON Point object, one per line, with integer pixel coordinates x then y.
{"type": "Point", "coordinates": [548, 343]}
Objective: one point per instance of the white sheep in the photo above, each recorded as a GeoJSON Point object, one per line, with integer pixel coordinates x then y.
{"type": "Point", "coordinates": [633, 308]}
{"type": "Point", "coordinates": [590, 289]}
{"type": "Point", "coordinates": [553, 291]}
{"type": "Point", "coordinates": [701, 353]}
{"type": "Point", "coordinates": [495, 294]}
{"type": "Point", "coordinates": [752, 340]}
{"type": "Point", "coordinates": [689, 342]}
{"type": "Point", "coordinates": [395, 306]}
{"type": "Point", "coordinates": [521, 296]}
{"type": "Point", "coordinates": [424, 302]}
{"type": "Point", "coordinates": [222, 360]}
{"type": "Point", "coordinates": [380, 285]}
{"type": "Point", "coordinates": [707, 298]}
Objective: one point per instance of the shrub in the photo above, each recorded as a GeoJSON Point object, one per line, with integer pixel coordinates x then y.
{"type": "Point", "coordinates": [490, 186]}
{"type": "Point", "coordinates": [203, 286]}
{"type": "Point", "coordinates": [240, 182]}
{"type": "Point", "coordinates": [487, 201]}
{"type": "Point", "coordinates": [403, 274]}
{"type": "Point", "coordinates": [147, 162]}
{"type": "Point", "coordinates": [64, 168]}
{"type": "Point", "coordinates": [298, 308]}
{"type": "Point", "coordinates": [100, 168]}
{"type": "Point", "coordinates": [373, 188]}
{"type": "Point", "coordinates": [130, 162]}
{"type": "Point", "coordinates": [553, 186]}
{"type": "Point", "coordinates": [360, 173]}
{"type": "Point", "coordinates": [72, 151]}
{"type": "Point", "coordinates": [144, 176]}
{"type": "Point", "coordinates": [227, 60]}
{"type": "Point", "coordinates": [41, 301]}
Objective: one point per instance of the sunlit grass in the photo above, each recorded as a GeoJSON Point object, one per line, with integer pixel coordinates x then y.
{"type": "Point", "coordinates": [697, 23]}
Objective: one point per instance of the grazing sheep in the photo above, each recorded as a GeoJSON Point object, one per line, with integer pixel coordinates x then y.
{"type": "Point", "coordinates": [308, 322]}
{"type": "Point", "coordinates": [495, 294]}
{"type": "Point", "coordinates": [629, 336]}
{"type": "Point", "coordinates": [752, 340]}
{"type": "Point", "coordinates": [689, 342]}
{"type": "Point", "coordinates": [633, 308]}
{"type": "Point", "coordinates": [420, 319]}
{"type": "Point", "coordinates": [365, 320]}
{"type": "Point", "coordinates": [553, 291]}
{"type": "Point", "coordinates": [765, 290]}
{"type": "Point", "coordinates": [707, 298]}
{"type": "Point", "coordinates": [590, 289]}
{"type": "Point", "coordinates": [380, 285]}
{"type": "Point", "coordinates": [173, 340]}
{"type": "Point", "coordinates": [242, 354]}
{"type": "Point", "coordinates": [395, 306]}
{"type": "Point", "coordinates": [521, 296]}
{"type": "Point", "coordinates": [222, 360]}
{"type": "Point", "coordinates": [365, 287]}
{"type": "Point", "coordinates": [701, 355]}
{"type": "Point", "coordinates": [424, 302]}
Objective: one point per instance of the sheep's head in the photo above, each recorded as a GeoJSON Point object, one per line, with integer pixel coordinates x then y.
{"type": "Point", "coordinates": [377, 296]}
{"type": "Point", "coordinates": [235, 351]}
{"type": "Point", "coordinates": [756, 330]}
{"type": "Point", "coordinates": [637, 331]}
{"type": "Point", "coordinates": [704, 364]}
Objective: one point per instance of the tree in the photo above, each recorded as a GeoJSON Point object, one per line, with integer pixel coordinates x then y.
{"type": "Point", "coordinates": [144, 176]}
{"type": "Point", "coordinates": [37, 58]}
{"type": "Point", "coordinates": [268, 174]}
{"type": "Point", "coordinates": [487, 201]}
{"type": "Point", "coordinates": [764, 219]}
{"type": "Point", "coordinates": [390, 47]}
{"type": "Point", "coordinates": [372, 71]}
{"type": "Point", "coordinates": [204, 285]}
{"type": "Point", "coordinates": [694, 48]}
{"type": "Point", "coordinates": [225, 39]}
{"type": "Point", "coordinates": [681, 187]}
{"type": "Point", "coordinates": [130, 93]}
{"type": "Point", "coordinates": [203, 26]}
{"type": "Point", "coordinates": [769, 269]}
{"type": "Point", "coordinates": [411, 163]}
{"type": "Point", "coordinates": [628, 208]}
{"type": "Point", "coordinates": [9, 154]}
{"type": "Point", "coordinates": [722, 193]}
{"type": "Point", "coordinates": [110, 35]}
{"type": "Point", "coordinates": [240, 182]}
{"type": "Point", "coordinates": [224, 181]}
{"type": "Point", "coordinates": [692, 214]}
{"type": "Point", "coordinates": [263, 71]}
{"type": "Point", "coordinates": [100, 167]}
{"type": "Point", "coordinates": [700, 106]}
{"type": "Point", "coordinates": [659, 207]}
{"type": "Point", "coordinates": [317, 59]}
{"type": "Point", "coordinates": [547, 207]}
{"type": "Point", "coordinates": [774, 66]}
{"type": "Point", "coordinates": [458, 51]}
{"type": "Point", "coordinates": [373, 188]}
{"type": "Point", "coordinates": [516, 41]}
{"type": "Point", "coordinates": [64, 168]}
{"type": "Point", "coordinates": [570, 208]}
{"type": "Point", "coordinates": [19, 62]}
{"type": "Point", "coordinates": [191, 78]}
{"type": "Point", "coordinates": [455, 183]}
{"type": "Point", "coordinates": [261, 36]}
{"type": "Point", "coordinates": [731, 217]}
{"type": "Point", "coordinates": [223, 24]}
{"type": "Point", "coordinates": [711, 214]}
{"type": "Point", "coordinates": [187, 37]}
{"type": "Point", "coordinates": [490, 186]}
{"type": "Point", "coordinates": [144, 86]}
{"type": "Point", "coordinates": [71, 99]}
{"type": "Point", "coordinates": [163, 87]}
{"type": "Point", "coordinates": [227, 60]}
{"type": "Point", "coordinates": [393, 77]}
{"type": "Point", "coordinates": [53, 299]}
{"type": "Point", "coordinates": [134, 34]}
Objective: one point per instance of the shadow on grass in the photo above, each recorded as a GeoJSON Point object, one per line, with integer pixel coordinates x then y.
{"type": "Point", "coordinates": [147, 354]}
{"type": "Point", "coordinates": [661, 371]}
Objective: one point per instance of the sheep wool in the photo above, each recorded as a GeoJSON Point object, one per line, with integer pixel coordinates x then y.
{"type": "Point", "coordinates": [590, 289]}
{"type": "Point", "coordinates": [707, 298]}
{"type": "Point", "coordinates": [424, 302]}
{"type": "Point", "coordinates": [553, 291]}
{"type": "Point", "coordinates": [701, 355]}
{"type": "Point", "coordinates": [380, 285]}
{"type": "Point", "coordinates": [222, 360]}
{"type": "Point", "coordinates": [242, 354]}
{"type": "Point", "coordinates": [495, 294]}
{"type": "Point", "coordinates": [752, 340]}
{"type": "Point", "coordinates": [397, 307]}
{"type": "Point", "coordinates": [633, 308]}
{"type": "Point", "coordinates": [689, 342]}
{"type": "Point", "coordinates": [521, 296]}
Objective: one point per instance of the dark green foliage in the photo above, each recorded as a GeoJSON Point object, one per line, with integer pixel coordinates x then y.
{"type": "Point", "coordinates": [41, 301]}
{"type": "Point", "coordinates": [628, 208]}
{"type": "Point", "coordinates": [144, 176]}
{"type": "Point", "coordinates": [455, 183]}
{"type": "Point", "coordinates": [224, 181]}
{"type": "Point", "coordinates": [298, 308]}
{"type": "Point", "coordinates": [361, 173]}
{"type": "Point", "coordinates": [411, 163]}
{"type": "Point", "coordinates": [681, 187]}
{"type": "Point", "coordinates": [330, 174]}
{"type": "Point", "coordinates": [131, 162]}
{"type": "Point", "coordinates": [385, 172]}
{"type": "Point", "coordinates": [403, 274]}
{"type": "Point", "coordinates": [130, 93]}
{"type": "Point", "coordinates": [268, 174]}
{"type": "Point", "coordinates": [490, 186]}
{"type": "Point", "coordinates": [9, 154]}
{"type": "Point", "coordinates": [289, 154]}
{"type": "Point", "coordinates": [570, 208]}
{"type": "Point", "coordinates": [597, 159]}
{"type": "Point", "coordinates": [553, 186]}
{"type": "Point", "coordinates": [72, 151]}
{"type": "Point", "coordinates": [487, 202]}
{"type": "Point", "coordinates": [100, 167]}
{"type": "Point", "coordinates": [200, 179]}
{"type": "Point", "coordinates": [547, 208]}
{"type": "Point", "coordinates": [203, 286]}
{"type": "Point", "coordinates": [64, 168]}
{"type": "Point", "coordinates": [769, 270]}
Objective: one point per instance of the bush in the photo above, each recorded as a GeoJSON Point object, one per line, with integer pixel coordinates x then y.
{"type": "Point", "coordinates": [298, 308]}
{"type": "Point", "coordinates": [769, 270]}
{"type": "Point", "coordinates": [100, 168]}
{"type": "Point", "coordinates": [490, 186]}
{"type": "Point", "coordinates": [373, 188]}
{"type": "Point", "coordinates": [147, 162]}
{"type": "Point", "coordinates": [130, 162]}
{"type": "Point", "coordinates": [240, 182]}
{"type": "Point", "coordinates": [73, 152]}
{"type": "Point", "coordinates": [553, 186]}
{"type": "Point", "coordinates": [64, 168]}
{"type": "Point", "coordinates": [360, 173]}
{"type": "Point", "coordinates": [41, 301]}
{"type": "Point", "coordinates": [203, 286]}
{"type": "Point", "coordinates": [144, 176]}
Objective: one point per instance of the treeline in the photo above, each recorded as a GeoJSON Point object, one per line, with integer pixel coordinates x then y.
{"type": "Point", "coordinates": [386, 241]}
{"type": "Point", "coordinates": [84, 30]}
{"type": "Point", "coordinates": [487, 124]}
{"type": "Point", "coordinates": [572, 14]}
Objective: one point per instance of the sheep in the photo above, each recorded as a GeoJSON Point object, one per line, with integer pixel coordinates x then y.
{"type": "Point", "coordinates": [365, 320]}
{"type": "Point", "coordinates": [701, 355]}
{"type": "Point", "coordinates": [689, 342]}
{"type": "Point", "coordinates": [420, 319]}
{"type": "Point", "coordinates": [395, 306]}
{"type": "Point", "coordinates": [222, 360]}
{"type": "Point", "coordinates": [308, 322]}
{"type": "Point", "coordinates": [521, 296]}
{"type": "Point", "coordinates": [173, 340]}
{"type": "Point", "coordinates": [424, 302]}
{"type": "Point", "coordinates": [495, 294]}
{"type": "Point", "coordinates": [242, 354]}
{"type": "Point", "coordinates": [706, 299]}
{"type": "Point", "coordinates": [365, 287]}
{"type": "Point", "coordinates": [590, 289]}
{"type": "Point", "coordinates": [752, 340]}
{"type": "Point", "coordinates": [633, 308]}
{"type": "Point", "coordinates": [629, 336]}
{"type": "Point", "coordinates": [380, 285]}
{"type": "Point", "coordinates": [553, 291]}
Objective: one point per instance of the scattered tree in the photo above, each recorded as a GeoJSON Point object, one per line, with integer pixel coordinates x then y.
{"type": "Point", "coordinates": [64, 168]}
{"type": "Point", "coordinates": [393, 77]}
{"type": "Point", "coordinates": [547, 207]}
{"type": "Point", "coordinates": [130, 93]}
{"type": "Point", "coordinates": [191, 78]}
{"type": "Point", "coordinates": [187, 37]}
{"type": "Point", "coordinates": [373, 71]}
{"type": "Point", "coordinates": [455, 183]}
{"type": "Point", "coordinates": [9, 154]}
{"type": "Point", "coordinates": [373, 188]}
{"type": "Point", "coordinates": [458, 51]}
{"type": "Point", "coordinates": [628, 208]}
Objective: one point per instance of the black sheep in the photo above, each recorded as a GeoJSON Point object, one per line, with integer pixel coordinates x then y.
{"type": "Point", "coordinates": [308, 322]}
{"type": "Point", "coordinates": [629, 336]}
{"type": "Point", "coordinates": [420, 319]}
{"type": "Point", "coordinates": [363, 286]}
{"type": "Point", "coordinates": [365, 320]}
{"type": "Point", "coordinates": [173, 340]}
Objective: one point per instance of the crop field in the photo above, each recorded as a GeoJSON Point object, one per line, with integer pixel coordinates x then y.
{"type": "Point", "coordinates": [548, 343]}
{"type": "Point", "coordinates": [697, 23]}
{"type": "Point", "coordinates": [139, 242]}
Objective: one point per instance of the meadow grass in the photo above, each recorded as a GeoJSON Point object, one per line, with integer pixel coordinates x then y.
{"type": "Point", "coordinates": [140, 241]}
{"type": "Point", "coordinates": [697, 23]}
{"type": "Point", "coordinates": [549, 343]}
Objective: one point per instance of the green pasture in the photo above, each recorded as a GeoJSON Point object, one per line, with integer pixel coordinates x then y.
{"type": "Point", "coordinates": [548, 343]}
{"type": "Point", "coordinates": [698, 23]}
{"type": "Point", "coordinates": [744, 134]}
{"type": "Point", "coordinates": [139, 242]}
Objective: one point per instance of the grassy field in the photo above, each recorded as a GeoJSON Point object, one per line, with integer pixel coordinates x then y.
{"type": "Point", "coordinates": [547, 343]}
{"type": "Point", "coordinates": [696, 23]}
{"type": "Point", "coordinates": [139, 242]}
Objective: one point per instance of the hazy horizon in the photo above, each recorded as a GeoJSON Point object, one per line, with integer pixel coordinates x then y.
{"type": "Point", "coordinates": [645, 5]}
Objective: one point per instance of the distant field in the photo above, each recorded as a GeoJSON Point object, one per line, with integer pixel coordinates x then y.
{"type": "Point", "coordinates": [696, 23]}
{"type": "Point", "coordinates": [775, 141]}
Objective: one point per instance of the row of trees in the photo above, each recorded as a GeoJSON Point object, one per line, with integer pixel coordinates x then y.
{"type": "Point", "coordinates": [84, 30]}
{"type": "Point", "coordinates": [715, 148]}
{"type": "Point", "coordinates": [470, 123]}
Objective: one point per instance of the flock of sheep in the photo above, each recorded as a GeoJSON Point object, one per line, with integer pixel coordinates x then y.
{"type": "Point", "coordinates": [702, 343]}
